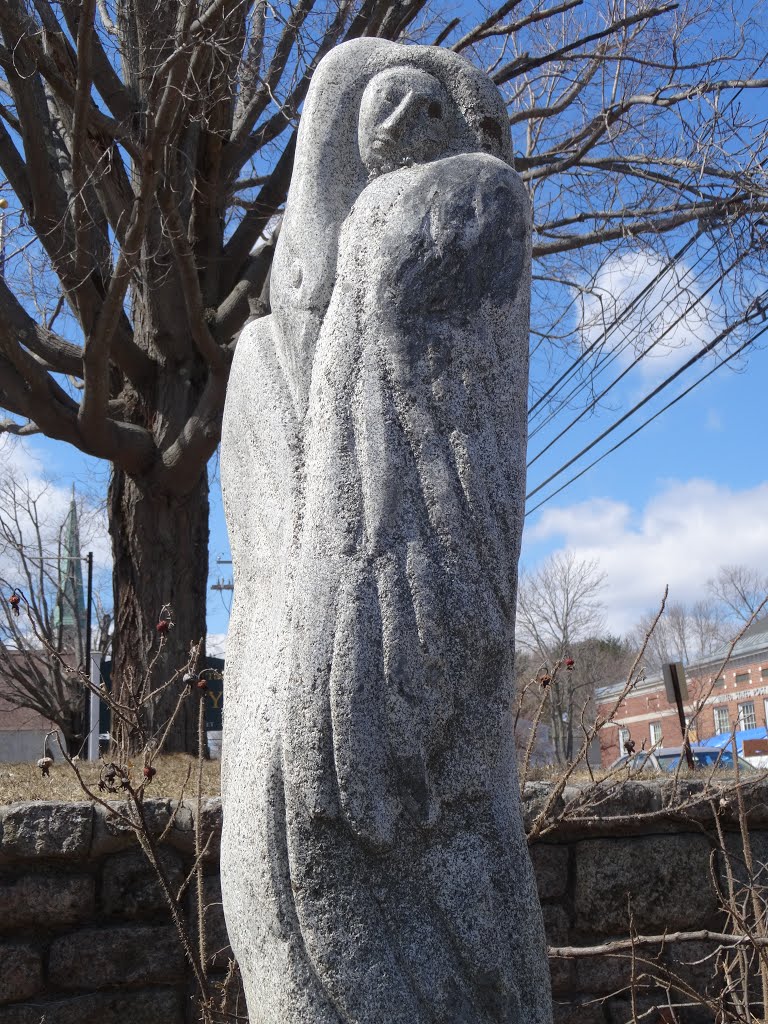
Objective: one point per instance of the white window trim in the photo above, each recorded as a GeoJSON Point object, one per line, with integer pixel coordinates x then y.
{"type": "Point", "coordinates": [719, 714]}
{"type": "Point", "coordinates": [742, 721]}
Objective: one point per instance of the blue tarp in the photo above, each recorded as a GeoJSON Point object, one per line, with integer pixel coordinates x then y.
{"type": "Point", "coordinates": [724, 740]}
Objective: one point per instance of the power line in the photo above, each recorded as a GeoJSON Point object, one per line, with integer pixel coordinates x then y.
{"type": "Point", "coordinates": [613, 354]}
{"type": "Point", "coordinates": [615, 323]}
{"type": "Point", "coordinates": [686, 312]}
{"type": "Point", "coordinates": [221, 584]}
{"type": "Point", "coordinates": [665, 383]}
{"type": "Point", "coordinates": [650, 419]}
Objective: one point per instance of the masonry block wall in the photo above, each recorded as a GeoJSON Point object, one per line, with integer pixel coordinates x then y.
{"type": "Point", "coordinates": [85, 937]}
{"type": "Point", "coordinates": [85, 933]}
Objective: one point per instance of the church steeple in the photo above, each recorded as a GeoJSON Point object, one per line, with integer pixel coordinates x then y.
{"type": "Point", "coordinates": [70, 608]}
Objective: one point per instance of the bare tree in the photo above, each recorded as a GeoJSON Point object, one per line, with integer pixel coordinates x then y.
{"type": "Point", "coordinates": [684, 633]}
{"type": "Point", "coordinates": [559, 613]}
{"type": "Point", "coordinates": [42, 629]}
{"type": "Point", "coordinates": [739, 589]}
{"type": "Point", "coordinates": [146, 147]}
{"type": "Point", "coordinates": [691, 632]}
{"type": "Point", "coordinates": [570, 694]}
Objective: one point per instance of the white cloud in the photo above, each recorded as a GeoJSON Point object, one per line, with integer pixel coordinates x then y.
{"type": "Point", "coordinates": [216, 645]}
{"type": "Point", "coordinates": [714, 420]}
{"type": "Point", "coordinates": [681, 537]}
{"type": "Point", "coordinates": [673, 311]}
{"type": "Point", "coordinates": [18, 458]}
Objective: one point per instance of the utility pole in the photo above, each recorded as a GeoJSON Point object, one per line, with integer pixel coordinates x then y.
{"type": "Point", "coordinates": [677, 691]}
{"type": "Point", "coordinates": [87, 668]}
{"type": "Point", "coordinates": [222, 584]}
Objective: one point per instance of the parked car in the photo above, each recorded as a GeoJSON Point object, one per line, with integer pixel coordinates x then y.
{"type": "Point", "coordinates": [666, 759]}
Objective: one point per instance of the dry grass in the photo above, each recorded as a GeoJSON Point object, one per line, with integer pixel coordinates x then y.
{"type": "Point", "coordinates": [175, 772]}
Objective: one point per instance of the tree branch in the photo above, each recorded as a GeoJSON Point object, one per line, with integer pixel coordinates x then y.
{"type": "Point", "coordinates": [62, 82]}
{"type": "Point", "coordinates": [251, 227]}
{"type": "Point", "coordinates": [530, 19]}
{"type": "Point", "coordinates": [20, 429]}
{"type": "Point", "coordinates": [190, 284]}
{"type": "Point", "coordinates": [79, 120]}
{"type": "Point", "coordinates": [640, 226]}
{"type": "Point", "coordinates": [117, 98]}
{"type": "Point", "coordinates": [244, 145]}
{"type": "Point", "coordinates": [62, 355]}
{"type": "Point", "coordinates": [618, 946]}
{"type": "Point", "coordinates": [493, 19]}
{"type": "Point", "coordinates": [521, 65]}
{"type": "Point", "coordinates": [265, 92]}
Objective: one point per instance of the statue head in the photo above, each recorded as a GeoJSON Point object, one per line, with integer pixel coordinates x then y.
{"type": "Point", "coordinates": [406, 116]}
{"type": "Point", "coordinates": [372, 106]}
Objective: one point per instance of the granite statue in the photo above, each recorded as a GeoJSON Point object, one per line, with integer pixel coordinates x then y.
{"type": "Point", "coordinates": [374, 863]}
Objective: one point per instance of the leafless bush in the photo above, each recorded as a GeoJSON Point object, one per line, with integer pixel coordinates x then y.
{"type": "Point", "coordinates": [737, 957]}
{"type": "Point", "coordinates": [127, 772]}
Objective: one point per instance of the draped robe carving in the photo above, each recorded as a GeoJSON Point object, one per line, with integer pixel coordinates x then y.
{"type": "Point", "coordinates": [374, 865]}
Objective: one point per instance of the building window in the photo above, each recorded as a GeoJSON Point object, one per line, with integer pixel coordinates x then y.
{"type": "Point", "coordinates": [742, 678]}
{"type": "Point", "coordinates": [747, 718]}
{"type": "Point", "coordinates": [722, 721]}
{"type": "Point", "coordinates": [764, 673]}
{"type": "Point", "coordinates": [623, 738]}
{"type": "Point", "coordinates": [656, 734]}
{"type": "Point", "coordinates": [720, 681]}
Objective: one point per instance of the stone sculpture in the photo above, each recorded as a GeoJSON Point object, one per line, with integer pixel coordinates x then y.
{"type": "Point", "coordinates": [374, 865]}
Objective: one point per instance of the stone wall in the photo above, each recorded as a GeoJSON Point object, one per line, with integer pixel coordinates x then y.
{"type": "Point", "coordinates": [85, 936]}
{"type": "Point", "coordinates": [632, 857]}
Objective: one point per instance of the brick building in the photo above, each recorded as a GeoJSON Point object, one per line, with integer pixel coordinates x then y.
{"type": "Point", "coordinates": [734, 696]}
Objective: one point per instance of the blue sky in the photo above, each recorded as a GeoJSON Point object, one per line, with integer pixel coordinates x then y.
{"type": "Point", "coordinates": [689, 493]}
{"type": "Point", "coordinates": [686, 495]}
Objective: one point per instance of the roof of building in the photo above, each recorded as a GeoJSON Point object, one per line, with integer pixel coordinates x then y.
{"type": "Point", "coordinates": [753, 641]}
{"type": "Point", "coordinates": [725, 739]}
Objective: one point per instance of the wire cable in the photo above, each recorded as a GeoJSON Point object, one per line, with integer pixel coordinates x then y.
{"type": "Point", "coordinates": [650, 419]}
{"type": "Point", "coordinates": [605, 360]}
{"type": "Point", "coordinates": [652, 394]}
{"type": "Point", "coordinates": [587, 408]}
{"type": "Point", "coordinates": [612, 326]}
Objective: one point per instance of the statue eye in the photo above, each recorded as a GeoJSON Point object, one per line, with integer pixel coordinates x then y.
{"type": "Point", "coordinates": [435, 110]}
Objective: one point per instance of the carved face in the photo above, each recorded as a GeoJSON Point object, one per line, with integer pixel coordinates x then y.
{"type": "Point", "coordinates": [405, 118]}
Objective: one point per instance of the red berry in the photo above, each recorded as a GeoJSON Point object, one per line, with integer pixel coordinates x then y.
{"type": "Point", "coordinates": [201, 684]}
{"type": "Point", "coordinates": [149, 772]}
{"type": "Point", "coordinates": [162, 626]}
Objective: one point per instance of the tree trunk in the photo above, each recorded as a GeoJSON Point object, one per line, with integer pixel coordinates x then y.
{"type": "Point", "coordinates": [73, 734]}
{"type": "Point", "coordinates": [160, 548]}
